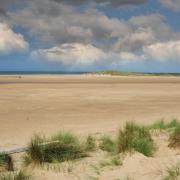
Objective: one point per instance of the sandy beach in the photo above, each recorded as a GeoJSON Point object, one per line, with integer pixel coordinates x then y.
{"type": "Point", "coordinates": [82, 103]}
{"type": "Point", "coordinates": [89, 104]}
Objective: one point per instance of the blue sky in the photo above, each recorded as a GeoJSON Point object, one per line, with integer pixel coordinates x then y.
{"type": "Point", "coordinates": [90, 35]}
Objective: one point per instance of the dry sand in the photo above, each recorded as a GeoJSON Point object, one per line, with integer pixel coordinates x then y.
{"type": "Point", "coordinates": [89, 104]}
{"type": "Point", "coordinates": [82, 103]}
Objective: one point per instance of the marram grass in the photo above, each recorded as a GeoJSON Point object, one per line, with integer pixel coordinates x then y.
{"type": "Point", "coordinates": [58, 148]}
{"type": "Point", "coordinates": [21, 175]}
{"type": "Point", "coordinates": [6, 163]}
{"type": "Point", "coordinates": [137, 138]}
{"type": "Point", "coordinates": [172, 173]}
{"type": "Point", "coordinates": [174, 139]}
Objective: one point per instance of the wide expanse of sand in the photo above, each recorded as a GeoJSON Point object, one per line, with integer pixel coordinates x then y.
{"type": "Point", "coordinates": [82, 103]}
{"type": "Point", "coordinates": [92, 104]}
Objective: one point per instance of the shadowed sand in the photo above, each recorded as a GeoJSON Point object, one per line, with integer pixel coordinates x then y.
{"type": "Point", "coordinates": [82, 103]}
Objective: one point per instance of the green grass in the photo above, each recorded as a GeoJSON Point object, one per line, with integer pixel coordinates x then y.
{"type": "Point", "coordinates": [6, 162]}
{"type": "Point", "coordinates": [134, 137]}
{"type": "Point", "coordinates": [90, 144]}
{"type": "Point", "coordinates": [174, 139]}
{"type": "Point", "coordinates": [107, 144]}
{"type": "Point", "coordinates": [173, 173]}
{"type": "Point", "coordinates": [63, 147]}
{"type": "Point", "coordinates": [21, 175]}
{"type": "Point", "coordinates": [125, 73]}
{"type": "Point", "coordinates": [163, 126]}
{"type": "Point", "coordinates": [114, 161]}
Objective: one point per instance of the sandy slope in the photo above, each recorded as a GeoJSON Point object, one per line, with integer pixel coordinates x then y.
{"type": "Point", "coordinates": [135, 166]}
{"type": "Point", "coordinates": [82, 103]}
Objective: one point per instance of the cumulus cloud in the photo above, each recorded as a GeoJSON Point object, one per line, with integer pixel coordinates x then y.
{"type": "Point", "coordinates": [66, 25]}
{"type": "Point", "coordinates": [10, 41]}
{"type": "Point", "coordinates": [82, 56]}
{"type": "Point", "coordinates": [71, 54]}
{"type": "Point", "coordinates": [172, 4]}
{"type": "Point", "coordinates": [164, 51]}
{"type": "Point", "coordinates": [135, 41]}
{"type": "Point", "coordinates": [72, 37]}
{"type": "Point", "coordinates": [55, 23]}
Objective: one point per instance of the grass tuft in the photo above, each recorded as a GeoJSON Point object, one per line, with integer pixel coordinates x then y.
{"type": "Point", "coordinates": [114, 161]}
{"type": "Point", "coordinates": [59, 148]}
{"type": "Point", "coordinates": [21, 175]}
{"type": "Point", "coordinates": [6, 163]}
{"type": "Point", "coordinates": [174, 139]}
{"type": "Point", "coordinates": [173, 173]}
{"type": "Point", "coordinates": [174, 123]}
{"type": "Point", "coordinates": [134, 137]}
{"type": "Point", "coordinates": [90, 144]}
{"type": "Point", "coordinates": [107, 144]}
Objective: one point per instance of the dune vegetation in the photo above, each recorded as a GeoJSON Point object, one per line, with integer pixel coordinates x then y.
{"type": "Point", "coordinates": [174, 139]}
{"type": "Point", "coordinates": [137, 138]}
{"type": "Point", "coordinates": [6, 163]}
{"type": "Point", "coordinates": [172, 173]}
{"type": "Point", "coordinates": [67, 147]}
{"type": "Point", "coordinates": [58, 148]}
{"type": "Point", "coordinates": [21, 175]}
{"type": "Point", "coordinates": [125, 73]}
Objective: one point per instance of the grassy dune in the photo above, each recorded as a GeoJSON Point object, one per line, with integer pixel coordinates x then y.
{"type": "Point", "coordinates": [65, 147]}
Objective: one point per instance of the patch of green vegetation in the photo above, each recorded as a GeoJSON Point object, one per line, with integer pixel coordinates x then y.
{"type": "Point", "coordinates": [6, 162]}
{"type": "Point", "coordinates": [134, 137]}
{"type": "Point", "coordinates": [59, 148]}
{"type": "Point", "coordinates": [21, 175]}
{"type": "Point", "coordinates": [174, 139]}
{"type": "Point", "coordinates": [114, 161]}
{"type": "Point", "coordinates": [125, 73]}
{"type": "Point", "coordinates": [90, 144]}
{"type": "Point", "coordinates": [107, 144]}
{"type": "Point", "coordinates": [173, 173]}
{"type": "Point", "coordinates": [163, 126]}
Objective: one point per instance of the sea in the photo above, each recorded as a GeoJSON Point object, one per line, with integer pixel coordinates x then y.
{"type": "Point", "coordinates": [41, 73]}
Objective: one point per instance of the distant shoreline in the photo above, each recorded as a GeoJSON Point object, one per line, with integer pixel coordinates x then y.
{"type": "Point", "coordinates": [106, 72]}
{"type": "Point", "coordinates": [124, 73]}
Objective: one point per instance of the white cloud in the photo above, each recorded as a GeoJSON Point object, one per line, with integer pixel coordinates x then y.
{"type": "Point", "coordinates": [10, 41]}
{"type": "Point", "coordinates": [164, 51]}
{"type": "Point", "coordinates": [71, 54]}
{"type": "Point", "coordinates": [172, 4]}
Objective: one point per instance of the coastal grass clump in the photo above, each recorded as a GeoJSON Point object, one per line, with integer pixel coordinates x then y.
{"type": "Point", "coordinates": [172, 173]}
{"type": "Point", "coordinates": [58, 148]}
{"type": "Point", "coordinates": [134, 137]}
{"type": "Point", "coordinates": [113, 161]}
{"type": "Point", "coordinates": [174, 139]}
{"type": "Point", "coordinates": [90, 143]}
{"type": "Point", "coordinates": [6, 162]}
{"type": "Point", "coordinates": [21, 175]}
{"type": "Point", "coordinates": [174, 123]}
{"type": "Point", "coordinates": [107, 144]}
